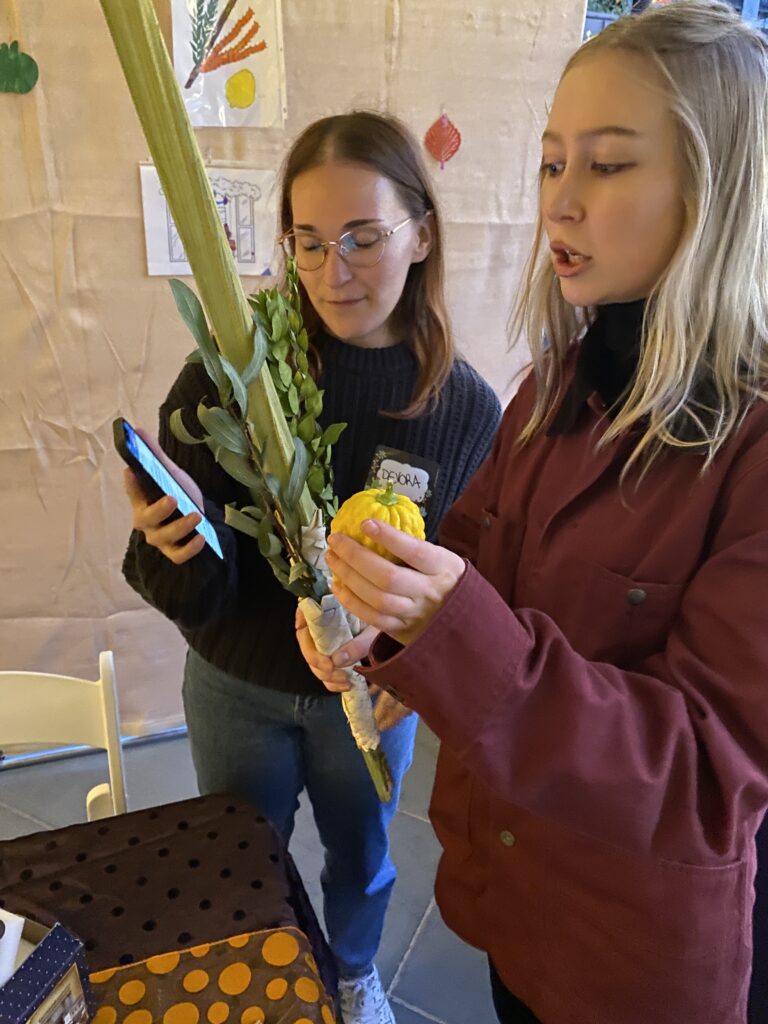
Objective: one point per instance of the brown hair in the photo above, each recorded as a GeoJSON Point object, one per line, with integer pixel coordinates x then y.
{"type": "Point", "coordinates": [385, 145]}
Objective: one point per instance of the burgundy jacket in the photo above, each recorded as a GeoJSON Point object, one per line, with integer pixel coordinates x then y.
{"type": "Point", "coordinates": [599, 681]}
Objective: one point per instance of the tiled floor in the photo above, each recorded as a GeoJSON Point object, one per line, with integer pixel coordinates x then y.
{"type": "Point", "coordinates": [431, 975]}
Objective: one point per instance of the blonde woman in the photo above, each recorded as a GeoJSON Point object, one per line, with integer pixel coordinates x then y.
{"type": "Point", "coordinates": [591, 642]}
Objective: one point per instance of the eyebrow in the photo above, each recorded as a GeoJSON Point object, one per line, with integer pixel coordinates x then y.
{"type": "Point", "coordinates": [593, 133]}
{"type": "Point", "coordinates": [347, 227]}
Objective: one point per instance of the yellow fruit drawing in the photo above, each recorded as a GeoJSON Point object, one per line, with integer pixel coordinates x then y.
{"type": "Point", "coordinates": [241, 89]}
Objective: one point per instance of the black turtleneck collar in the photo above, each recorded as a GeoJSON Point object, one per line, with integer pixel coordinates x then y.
{"type": "Point", "coordinates": [607, 362]}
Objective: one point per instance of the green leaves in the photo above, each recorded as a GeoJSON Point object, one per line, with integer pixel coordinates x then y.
{"type": "Point", "coordinates": [306, 428]}
{"type": "Point", "coordinates": [282, 375]}
{"type": "Point", "coordinates": [239, 390]}
{"type": "Point", "coordinates": [279, 317]}
{"type": "Point", "coordinates": [193, 316]}
{"type": "Point", "coordinates": [238, 467]}
{"type": "Point", "coordinates": [332, 434]}
{"type": "Point", "coordinates": [280, 338]}
{"type": "Point", "coordinates": [180, 432]}
{"type": "Point", "coordinates": [224, 429]}
{"type": "Point", "coordinates": [260, 348]}
{"type": "Point", "coordinates": [269, 545]}
{"type": "Point", "coordinates": [299, 471]}
{"type": "Point", "coordinates": [242, 520]}
{"type": "Point", "coordinates": [18, 71]}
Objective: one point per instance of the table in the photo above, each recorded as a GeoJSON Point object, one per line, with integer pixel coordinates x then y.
{"type": "Point", "coordinates": [197, 887]}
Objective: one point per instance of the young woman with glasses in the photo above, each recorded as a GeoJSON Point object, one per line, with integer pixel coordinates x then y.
{"type": "Point", "coordinates": [359, 214]}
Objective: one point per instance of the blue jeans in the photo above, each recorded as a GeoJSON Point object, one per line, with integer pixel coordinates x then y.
{"type": "Point", "coordinates": [266, 746]}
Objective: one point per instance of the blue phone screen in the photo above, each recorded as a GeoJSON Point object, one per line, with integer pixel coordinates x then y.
{"type": "Point", "coordinates": [169, 485]}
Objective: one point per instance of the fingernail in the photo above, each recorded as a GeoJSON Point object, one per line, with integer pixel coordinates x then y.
{"type": "Point", "coordinates": [371, 527]}
{"type": "Point", "coordinates": [341, 659]}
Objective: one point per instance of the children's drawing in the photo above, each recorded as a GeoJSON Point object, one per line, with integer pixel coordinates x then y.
{"type": "Point", "coordinates": [18, 71]}
{"type": "Point", "coordinates": [228, 56]}
{"type": "Point", "coordinates": [443, 140]}
{"type": "Point", "coordinates": [245, 201]}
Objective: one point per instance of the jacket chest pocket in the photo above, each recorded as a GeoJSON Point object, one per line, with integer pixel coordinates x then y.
{"type": "Point", "coordinates": [607, 616]}
{"type": "Point", "coordinates": [498, 552]}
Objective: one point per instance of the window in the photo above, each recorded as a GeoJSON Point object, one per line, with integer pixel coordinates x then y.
{"type": "Point", "coordinates": [602, 12]}
{"type": "Point", "coordinates": [753, 10]}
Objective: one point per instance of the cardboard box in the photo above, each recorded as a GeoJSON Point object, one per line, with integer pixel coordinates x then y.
{"type": "Point", "coordinates": [51, 985]}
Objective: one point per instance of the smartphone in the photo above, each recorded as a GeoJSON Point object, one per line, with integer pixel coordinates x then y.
{"type": "Point", "coordinates": [155, 479]}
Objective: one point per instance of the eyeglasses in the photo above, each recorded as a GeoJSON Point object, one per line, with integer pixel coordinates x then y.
{"type": "Point", "coordinates": [360, 247]}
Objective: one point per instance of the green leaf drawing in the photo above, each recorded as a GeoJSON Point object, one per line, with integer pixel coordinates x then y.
{"type": "Point", "coordinates": [18, 71]}
{"type": "Point", "coordinates": [203, 21]}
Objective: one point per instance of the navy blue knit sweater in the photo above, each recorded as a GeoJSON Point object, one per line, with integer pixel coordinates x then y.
{"type": "Point", "coordinates": [233, 612]}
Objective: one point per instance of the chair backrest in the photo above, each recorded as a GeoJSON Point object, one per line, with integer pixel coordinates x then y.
{"type": "Point", "coordinates": [38, 707]}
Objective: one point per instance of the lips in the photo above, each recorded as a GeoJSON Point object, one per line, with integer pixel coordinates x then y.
{"type": "Point", "coordinates": [567, 260]}
{"type": "Point", "coordinates": [568, 253]}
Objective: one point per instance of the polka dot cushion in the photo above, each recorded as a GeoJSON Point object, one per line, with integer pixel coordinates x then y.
{"type": "Point", "coordinates": [168, 877]}
{"type": "Point", "coordinates": [268, 977]}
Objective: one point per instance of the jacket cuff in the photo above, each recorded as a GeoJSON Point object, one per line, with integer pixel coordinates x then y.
{"type": "Point", "coordinates": [455, 673]}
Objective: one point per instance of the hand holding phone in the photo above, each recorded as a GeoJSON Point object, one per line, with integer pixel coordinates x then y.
{"type": "Point", "coordinates": [167, 504]}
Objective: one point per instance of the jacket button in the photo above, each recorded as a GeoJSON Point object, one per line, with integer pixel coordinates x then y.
{"type": "Point", "coordinates": [486, 521]}
{"type": "Point", "coordinates": [507, 838]}
{"type": "Point", "coordinates": [636, 595]}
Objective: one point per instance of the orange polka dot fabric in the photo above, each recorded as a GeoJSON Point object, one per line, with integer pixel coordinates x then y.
{"type": "Point", "coordinates": [177, 876]}
{"type": "Point", "coordinates": [267, 977]}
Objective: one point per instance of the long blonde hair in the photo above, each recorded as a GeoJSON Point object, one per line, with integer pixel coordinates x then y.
{"type": "Point", "coordinates": [704, 350]}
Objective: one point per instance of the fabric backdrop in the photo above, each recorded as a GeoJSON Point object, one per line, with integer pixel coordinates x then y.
{"type": "Point", "coordinates": [86, 335]}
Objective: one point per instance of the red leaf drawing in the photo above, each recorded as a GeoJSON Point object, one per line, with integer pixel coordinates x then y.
{"type": "Point", "coordinates": [443, 140]}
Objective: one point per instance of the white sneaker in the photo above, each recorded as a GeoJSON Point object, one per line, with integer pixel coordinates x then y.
{"type": "Point", "coordinates": [364, 1001]}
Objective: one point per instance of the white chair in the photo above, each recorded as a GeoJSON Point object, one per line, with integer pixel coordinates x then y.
{"type": "Point", "coordinates": [40, 708]}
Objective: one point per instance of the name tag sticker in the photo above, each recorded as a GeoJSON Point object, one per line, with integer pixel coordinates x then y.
{"type": "Point", "coordinates": [410, 474]}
